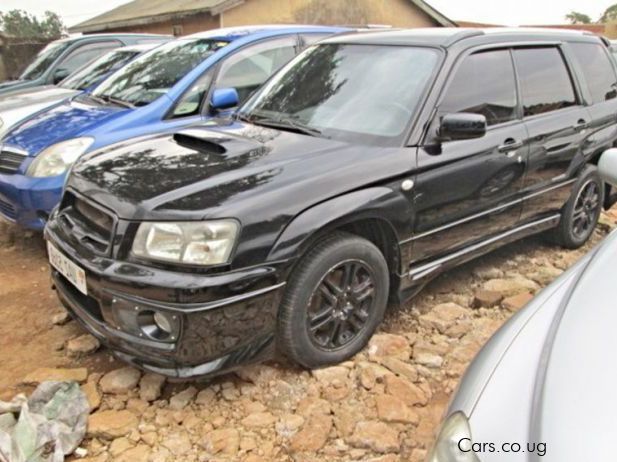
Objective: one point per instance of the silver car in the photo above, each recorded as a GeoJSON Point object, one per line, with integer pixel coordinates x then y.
{"type": "Point", "coordinates": [543, 387]}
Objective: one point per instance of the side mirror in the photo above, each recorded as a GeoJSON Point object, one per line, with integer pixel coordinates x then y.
{"type": "Point", "coordinates": [462, 126]}
{"type": "Point", "coordinates": [224, 98]}
{"type": "Point", "coordinates": [607, 166]}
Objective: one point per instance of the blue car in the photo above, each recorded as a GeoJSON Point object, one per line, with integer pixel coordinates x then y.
{"type": "Point", "coordinates": [179, 83]}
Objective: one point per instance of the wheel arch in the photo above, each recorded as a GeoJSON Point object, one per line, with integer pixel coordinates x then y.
{"type": "Point", "coordinates": [377, 214]}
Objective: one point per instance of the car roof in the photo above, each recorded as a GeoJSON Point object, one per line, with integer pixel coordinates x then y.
{"type": "Point", "coordinates": [112, 35]}
{"type": "Point", "coordinates": [232, 33]}
{"type": "Point", "coordinates": [448, 36]}
{"type": "Point", "coordinates": [141, 48]}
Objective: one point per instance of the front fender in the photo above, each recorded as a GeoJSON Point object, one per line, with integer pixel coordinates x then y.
{"type": "Point", "coordinates": [378, 203]}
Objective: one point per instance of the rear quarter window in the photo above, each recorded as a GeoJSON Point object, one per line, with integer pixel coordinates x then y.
{"type": "Point", "coordinates": [597, 69]}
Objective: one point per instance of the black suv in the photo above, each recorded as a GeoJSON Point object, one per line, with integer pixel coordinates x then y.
{"type": "Point", "coordinates": [365, 167]}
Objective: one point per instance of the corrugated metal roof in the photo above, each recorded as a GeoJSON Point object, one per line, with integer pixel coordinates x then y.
{"type": "Point", "coordinates": [140, 12]}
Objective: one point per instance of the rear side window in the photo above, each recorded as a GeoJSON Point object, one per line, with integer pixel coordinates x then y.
{"type": "Point", "coordinates": [483, 84]}
{"type": "Point", "coordinates": [597, 69]}
{"type": "Point", "coordinates": [545, 81]}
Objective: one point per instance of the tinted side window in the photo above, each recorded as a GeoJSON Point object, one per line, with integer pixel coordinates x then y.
{"type": "Point", "coordinates": [483, 84]}
{"type": "Point", "coordinates": [545, 81]}
{"type": "Point", "coordinates": [250, 67]}
{"type": "Point", "coordinates": [597, 69]}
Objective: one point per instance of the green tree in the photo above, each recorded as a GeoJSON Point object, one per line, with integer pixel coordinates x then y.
{"type": "Point", "coordinates": [575, 17]}
{"type": "Point", "coordinates": [610, 14]}
{"type": "Point", "coordinates": [20, 23]}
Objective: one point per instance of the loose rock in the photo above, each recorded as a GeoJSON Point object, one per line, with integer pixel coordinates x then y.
{"type": "Point", "coordinates": [120, 381]}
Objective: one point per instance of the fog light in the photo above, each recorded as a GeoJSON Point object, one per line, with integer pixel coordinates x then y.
{"type": "Point", "coordinates": [162, 322]}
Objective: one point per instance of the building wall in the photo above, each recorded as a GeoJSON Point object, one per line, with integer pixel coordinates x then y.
{"type": "Point", "coordinates": [398, 13]}
{"type": "Point", "coordinates": [184, 26]}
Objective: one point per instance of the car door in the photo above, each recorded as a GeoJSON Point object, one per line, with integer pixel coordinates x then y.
{"type": "Point", "coordinates": [599, 88]}
{"type": "Point", "coordinates": [556, 120]}
{"type": "Point", "coordinates": [467, 190]}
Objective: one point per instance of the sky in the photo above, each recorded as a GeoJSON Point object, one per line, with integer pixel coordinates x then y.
{"type": "Point", "coordinates": [511, 12]}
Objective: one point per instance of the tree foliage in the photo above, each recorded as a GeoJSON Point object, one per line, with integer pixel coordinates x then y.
{"type": "Point", "coordinates": [20, 23]}
{"type": "Point", "coordinates": [575, 17]}
{"type": "Point", "coordinates": [610, 14]}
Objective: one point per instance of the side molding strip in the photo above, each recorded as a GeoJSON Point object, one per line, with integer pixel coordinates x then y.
{"type": "Point", "coordinates": [486, 212]}
{"type": "Point", "coordinates": [424, 270]}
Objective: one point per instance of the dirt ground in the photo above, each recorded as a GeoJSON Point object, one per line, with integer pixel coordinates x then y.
{"type": "Point", "coordinates": [261, 413]}
{"type": "Point", "coordinates": [28, 340]}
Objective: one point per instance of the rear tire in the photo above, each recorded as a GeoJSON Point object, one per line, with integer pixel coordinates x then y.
{"type": "Point", "coordinates": [334, 301]}
{"type": "Point", "coordinates": [580, 215]}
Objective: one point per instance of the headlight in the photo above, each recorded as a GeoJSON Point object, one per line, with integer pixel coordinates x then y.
{"type": "Point", "coordinates": [194, 243]}
{"type": "Point", "coordinates": [453, 444]}
{"type": "Point", "coordinates": [58, 158]}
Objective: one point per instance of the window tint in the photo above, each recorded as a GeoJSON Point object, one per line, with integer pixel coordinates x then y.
{"type": "Point", "coordinates": [484, 84]}
{"type": "Point", "coordinates": [85, 54]}
{"type": "Point", "coordinates": [597, 69]}
{"type": "Point", "coordinates": [248, 69]}
{"type": "Point", "coordinates": [190, 102]}
{"type": "Point", "coordinates": [544, 79]}
{"type": "Point", "coordinates": [44, 59]}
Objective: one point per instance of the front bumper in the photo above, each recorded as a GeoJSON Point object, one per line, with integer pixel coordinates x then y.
{"type": "Point", "coordinates": [225, 320]}
{"type": "Point", "coordinates": [28, 201]}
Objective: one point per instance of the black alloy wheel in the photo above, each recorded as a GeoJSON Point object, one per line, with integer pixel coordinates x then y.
{"type": "Point", "coordinates": [341, 305]}
{"type": "Point", "coordinates": [334, 300]}
{"type": "Point", "coordinates": [581, 213]}
{"type": "Point", "coordinates": [586, 209]}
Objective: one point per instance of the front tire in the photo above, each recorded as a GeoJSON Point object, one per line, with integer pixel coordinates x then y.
{"type": "Point", "coordinates": [582, 211]}
{"type": "Point", "coordinates": [334, 301]}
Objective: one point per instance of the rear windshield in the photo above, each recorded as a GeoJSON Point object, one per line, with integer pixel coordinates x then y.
{"type": "Point", "coordinates": [155, 73]}
{"type": "Point", "coordinates": [44, 60]}
{"type": "Point", "coordinates": [362, 93]}
{"type": "Point", "coordinates": [93, 73]}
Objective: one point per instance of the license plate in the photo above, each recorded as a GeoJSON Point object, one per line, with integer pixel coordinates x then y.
{"type": "Point", "coordinates": [67, 268]}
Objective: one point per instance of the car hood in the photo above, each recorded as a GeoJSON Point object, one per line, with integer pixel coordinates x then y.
{"type": "Point", "coordinates": [575, 395]}
{"type": "Point", "coordinates": [13, 85]}
{"type": "Point", "coordinates": [68, 120]}
{"type": "Point", "coordinates": [553, 356]}
{"type": "Point", "coordinates": [220, 171]}
{"type": "Point", "coordinates": [36, 95]}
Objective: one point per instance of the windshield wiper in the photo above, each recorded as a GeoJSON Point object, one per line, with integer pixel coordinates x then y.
{"type": "Point", "coordinates": [116, 101]}
{"type": "Point", "coordinates": [286, 123]}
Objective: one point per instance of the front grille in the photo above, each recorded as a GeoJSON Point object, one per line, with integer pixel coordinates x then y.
{"type": "Point", "coordinates": [88, 223]}
{"type": "Point", "coordinates": [7, 210]}
{"type": "Point", "coordinates": [10, 160]}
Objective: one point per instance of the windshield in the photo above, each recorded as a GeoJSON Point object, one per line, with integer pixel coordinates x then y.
{"type": "Point", "coordinates": [154, 74]}
{"type": "Point", "coordinates": [362, 93]}
{"type": "Point", "coordinates": [92, 73]}
{"type": "Point", "coordinates": [44, 60]}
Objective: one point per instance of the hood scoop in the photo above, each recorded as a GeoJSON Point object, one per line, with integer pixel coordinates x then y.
{"type": "Point", "coordinates": [205, 145]}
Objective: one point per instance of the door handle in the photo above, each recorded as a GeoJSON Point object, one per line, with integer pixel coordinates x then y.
{"type": "Point", "coordinates": [581, 124]}
{"type": "Point", "coordinates": [510, 145]}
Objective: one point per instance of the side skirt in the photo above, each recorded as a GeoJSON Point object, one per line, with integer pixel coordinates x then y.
{"type": "Point", "coordinates": [418, 276]}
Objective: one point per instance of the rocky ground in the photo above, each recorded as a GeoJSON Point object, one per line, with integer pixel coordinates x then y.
{"type": "Point", "coordinates": [382, 406]}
